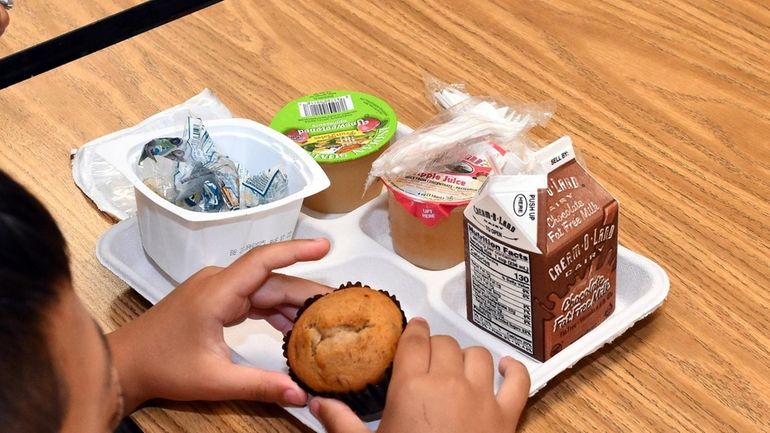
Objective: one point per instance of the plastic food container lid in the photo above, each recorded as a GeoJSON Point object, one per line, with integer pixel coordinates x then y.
{"type": "Point", "coordinates": [337, 125]}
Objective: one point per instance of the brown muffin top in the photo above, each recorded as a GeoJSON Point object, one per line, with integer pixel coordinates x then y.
{"type": "Point", "coordinates": [345, 340]}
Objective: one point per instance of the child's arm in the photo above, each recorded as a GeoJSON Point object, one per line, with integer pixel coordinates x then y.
{"type": "Point", "coordinates": [176, 350]}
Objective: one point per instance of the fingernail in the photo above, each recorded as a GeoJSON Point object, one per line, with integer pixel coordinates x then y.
{"type": "Point", "coordinates": [295, 397]}
{"type": "Point", "coordinates": [418, 319]}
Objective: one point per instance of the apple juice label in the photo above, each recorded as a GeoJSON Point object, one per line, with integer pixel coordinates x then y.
{"type": "Point", "coordinates": [431, 196]}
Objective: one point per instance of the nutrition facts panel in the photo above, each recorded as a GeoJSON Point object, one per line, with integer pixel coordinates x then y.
{"type": "Point", "coordinates": [501, 294]}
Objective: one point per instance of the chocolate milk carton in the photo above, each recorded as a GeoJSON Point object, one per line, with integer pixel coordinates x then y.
{"type": "Point", "coordinates": [541, 253]}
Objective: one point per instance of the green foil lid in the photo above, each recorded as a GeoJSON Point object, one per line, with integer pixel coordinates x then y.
{"type": "Point", "coordinates": [337, 125]}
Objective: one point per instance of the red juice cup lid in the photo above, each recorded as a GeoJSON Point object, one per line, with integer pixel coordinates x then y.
{"type": "Point", "coordinates": [431, 196]}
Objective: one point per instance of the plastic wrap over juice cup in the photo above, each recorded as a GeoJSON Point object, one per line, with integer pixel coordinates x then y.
{"type": "Point", "coordinates": [344, 132]}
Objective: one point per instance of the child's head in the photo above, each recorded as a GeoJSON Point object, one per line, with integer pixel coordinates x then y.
{"type": "Point", "coordinates": [54, 365]}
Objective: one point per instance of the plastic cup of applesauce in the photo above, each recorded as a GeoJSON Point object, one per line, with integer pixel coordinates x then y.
{"type": "Point", "coordinates": [344, 132]}
{"type": "Point", "coordinates": [426, 212]}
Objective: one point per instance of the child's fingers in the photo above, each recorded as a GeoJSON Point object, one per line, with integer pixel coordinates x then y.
{"type": "Point", "coordinates": [280, 289]}
{"type": "Point", "coordinates": [275, 318]}
{"type": "Point", "coordinates": [336, 416]}
{"type": "Point", "coordinates": [238, 382]}
{"type": "Point", "coordinates": [446, 357]}
{"type": "Point", "coordinates": [248, 273]}
{"type": "Point", "coordinates": [290, 311]}
{"type": "Point", "coordinates": [479, 368]}
{"type": "Point", "coordinates": [413, 351]}
{"type": "Point", "coordinates": [513, 393]}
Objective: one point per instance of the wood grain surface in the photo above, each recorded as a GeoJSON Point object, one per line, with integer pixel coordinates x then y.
{"type": "Point", "coordinates": [668, 102]}
{"type": "Point", "coordinates": [37, 21]}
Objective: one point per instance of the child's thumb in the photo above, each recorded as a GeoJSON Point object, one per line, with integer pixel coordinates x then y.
{"type": "Point", "coordinates": [239, 382]}
{"type": "Point", "coordinates": [336, 416]}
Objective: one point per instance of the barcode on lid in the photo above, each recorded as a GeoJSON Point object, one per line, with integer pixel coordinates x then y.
{"type": "Point", "coordinates": [326, 106]}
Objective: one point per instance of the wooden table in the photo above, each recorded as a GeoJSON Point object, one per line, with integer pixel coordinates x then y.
{"type": "Point", "coordinates": [669, 104]}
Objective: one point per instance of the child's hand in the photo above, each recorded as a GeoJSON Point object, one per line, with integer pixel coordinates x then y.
{"type": "Point", "coordinates": [438, 387]}
{"type": "Point", "coordinates": [176, 350]}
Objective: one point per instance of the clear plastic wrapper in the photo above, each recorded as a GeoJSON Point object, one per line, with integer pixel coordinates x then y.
{"type": "Point", "coordinates": [470, 125]}
{"type": "Point", "coordinates": [264, 187]}
{"type": "Point", "coordinates": [444, 95]}
{"type": "Point", "coordinates": [518, 158]}
{"type": "Point", "coordinates": [189, 172]}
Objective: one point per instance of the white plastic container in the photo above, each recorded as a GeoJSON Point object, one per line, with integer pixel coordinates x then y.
{"type": "Point", "coordinates": [181, 241]}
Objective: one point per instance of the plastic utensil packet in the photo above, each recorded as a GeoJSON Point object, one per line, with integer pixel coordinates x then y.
{"type": "Point", "coordinates": [474, 126]}
{"type": "Point", "coordinates": [518, 159]}
{"type": "Point", "coordinates": [444, 95]}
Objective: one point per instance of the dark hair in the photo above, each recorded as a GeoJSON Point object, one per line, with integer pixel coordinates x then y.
{"type": "Point", "coordinates": [33, 264]}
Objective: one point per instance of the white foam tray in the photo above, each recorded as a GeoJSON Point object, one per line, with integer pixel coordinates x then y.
{"type": "Point", "coordinates": [362, 251]}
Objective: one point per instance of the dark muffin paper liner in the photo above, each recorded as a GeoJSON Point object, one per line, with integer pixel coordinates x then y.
{"type": "Point", "coordinates": [368, 402]}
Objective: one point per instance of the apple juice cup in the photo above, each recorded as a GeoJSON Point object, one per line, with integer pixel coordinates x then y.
{"type": "Point", "coordinates": [425, 211]}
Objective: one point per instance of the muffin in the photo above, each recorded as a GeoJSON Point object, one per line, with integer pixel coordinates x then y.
{"type": "Point", "coordinates": [342, 346]}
